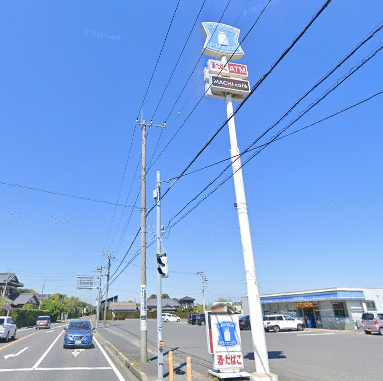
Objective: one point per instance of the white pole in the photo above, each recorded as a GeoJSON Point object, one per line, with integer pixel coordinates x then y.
{"type": "Point", "coordinates": [256, 319]}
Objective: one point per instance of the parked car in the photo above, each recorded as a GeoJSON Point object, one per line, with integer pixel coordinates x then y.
{"type": "Point", "coordinates": [372, 322]}
{"type": "Point", "coordinates": [7, 328]}
{"type": "Point", "coordinates": [279, 322]}
{"type": "Point", "coordinates": [170, 317]}
{"type": "Point", "coordinates": [196, 319]}
{"type": "Point", "coordinates": [244, 322]}
{"type": "Point", "coordinates": [79, 333]}
{"type": "Point", "coordinates": [43, 322]}
{"type": "Point", "coordinates": [201, 319]}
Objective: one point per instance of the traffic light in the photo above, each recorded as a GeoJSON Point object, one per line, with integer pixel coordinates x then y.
{"type": "Point", "coordinates": [162, 265]}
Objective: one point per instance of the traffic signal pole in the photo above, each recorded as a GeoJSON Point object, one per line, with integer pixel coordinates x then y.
{"type": "Point", "coordinates": [160, 347]}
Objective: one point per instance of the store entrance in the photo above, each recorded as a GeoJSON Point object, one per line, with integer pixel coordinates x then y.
{"type": "Point", "coordinates": [309, 313]}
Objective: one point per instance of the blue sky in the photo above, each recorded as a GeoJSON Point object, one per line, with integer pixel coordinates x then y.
{"type": "Point", "coordinates": [74, 75]}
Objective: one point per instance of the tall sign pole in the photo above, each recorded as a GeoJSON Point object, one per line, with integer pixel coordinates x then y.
{"type": "Point", "coordinates": [143, 309]}
{"type": "Point", "coordinates": [222, 41]}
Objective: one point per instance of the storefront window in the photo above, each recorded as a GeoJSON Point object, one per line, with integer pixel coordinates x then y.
{"type": "Point", "coordinates": [370, 304]}
{"type": "Point", "coordinates": [339, 309]}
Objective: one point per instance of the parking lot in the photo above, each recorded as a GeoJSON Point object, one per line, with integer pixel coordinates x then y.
{"type": "Point", "coordinates": [316, 355]}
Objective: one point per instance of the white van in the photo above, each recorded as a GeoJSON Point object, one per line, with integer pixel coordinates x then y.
{"type": "Point", "coordinates": [372, 322]}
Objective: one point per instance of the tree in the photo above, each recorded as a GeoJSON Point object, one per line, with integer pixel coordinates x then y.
{"type": "Point", "coordinates": [153, 296]}
{"type": "Point", "coordinates": [165, 296]}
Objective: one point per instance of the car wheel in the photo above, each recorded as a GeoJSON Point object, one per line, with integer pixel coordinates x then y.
{"type": "Point", "coordinates": [266, 330]}
{"type": "Point", "coordinates": [276, 328]}
{"type": "Point", "coordinates": [64, 346]}
{"type": "Point", "coordinates": [300, 327]}
{"type": "Point", "coordinates": [381, 331]}
{"type": "Point", "coordinates": [14, 335]}
{"type": "Point", "coordinates": [368, 332]}
{"type": "Point", "coordinates": [6, 339]}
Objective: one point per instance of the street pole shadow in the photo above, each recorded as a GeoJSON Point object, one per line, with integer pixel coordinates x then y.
{"type": "Point", "coordinates": [272, 355]}
{"type": "Point", "coordinates": [179, 370]}
{"type": "Point", "coordinates": [165, 353]}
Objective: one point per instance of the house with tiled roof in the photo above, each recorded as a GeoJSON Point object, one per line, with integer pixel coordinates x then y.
{"type": "Point", "coordinates": [9, 284]}
{"type": "Point", "coordinates": [168, 305]}
{"type": "Point", "coordinates": [187, 302]}
{"type": "Point", "coordinates": [26, 298]}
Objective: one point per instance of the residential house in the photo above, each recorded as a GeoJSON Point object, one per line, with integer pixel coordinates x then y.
{"type": "Point", "coordinates": [168, 305]}
{"type": "Point", "coordinates": [27, 298]}
{"type": "Point", "coordinates": [9, 284]}
{"type": "Point", "coordinates": [186, 302]}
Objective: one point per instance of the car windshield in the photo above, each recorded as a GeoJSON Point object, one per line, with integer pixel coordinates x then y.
{"type": "Point", "coordinates": [79, 326]}
{"type": "Point", "coordinates": [2, 320]}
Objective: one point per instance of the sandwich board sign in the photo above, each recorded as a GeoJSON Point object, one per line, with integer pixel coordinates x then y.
{"type": "Point", "coordinates": [224, 342]}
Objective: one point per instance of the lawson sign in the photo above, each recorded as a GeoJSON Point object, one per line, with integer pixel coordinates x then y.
{"type": "Point", "coordinates": [224, 341]}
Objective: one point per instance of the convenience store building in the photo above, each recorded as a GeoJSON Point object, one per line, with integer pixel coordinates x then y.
{"type": "Point", "coordinates": [331, 308]}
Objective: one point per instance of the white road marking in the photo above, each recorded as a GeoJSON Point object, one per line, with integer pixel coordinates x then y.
{"type": "Point", "coordinates": [44, 369]}
{"type": "Point", "coordinates": [118, 374]}
{"type": "Point", "coordinates": [78, 368]}
{"type": "Point", "coordinates": [77, 351]}
{"type": "Point", "coordinates": [46, 352]}
{"type": "Point", "coordinates": [314, 334]}
{"type": "Point", "coordinates": [15, 354]}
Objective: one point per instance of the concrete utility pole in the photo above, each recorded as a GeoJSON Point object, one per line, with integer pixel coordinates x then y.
{"type": "Point", "coordinates": [107, 287]}
{"type": "Point", "coordinates": [98, 297]}
{"type": "Point", "coordinates": [204, 281]}
{"type": "Point", "coordinates": [143, 310]}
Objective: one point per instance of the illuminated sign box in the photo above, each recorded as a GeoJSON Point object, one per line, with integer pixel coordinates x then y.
{"type": "Point", "coordinates": [227, 69]}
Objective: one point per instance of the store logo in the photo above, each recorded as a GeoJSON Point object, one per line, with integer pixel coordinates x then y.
{"type": "Point", "coordinates": [228, 336]}
{"type": "Point", "coordinates": [221, 40]}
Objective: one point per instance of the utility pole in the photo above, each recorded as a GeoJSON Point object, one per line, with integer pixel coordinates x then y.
{"type": "Point", "coordinates": [204, 281]}
{"type": "Point", "coordinates": [143, 310]}
{"type": "Point", "coordinates": [98, 297]}
{"type": "Point", "coordinates": [107, 287]}
{"type": "Point", "coordinates": [42, 295]}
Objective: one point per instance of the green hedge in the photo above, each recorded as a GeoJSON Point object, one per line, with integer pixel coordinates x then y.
{"type": "Point", "coordinates": [24, 318]}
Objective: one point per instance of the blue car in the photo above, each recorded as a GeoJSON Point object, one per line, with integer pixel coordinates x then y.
{"type": "Point", "coordinates": [79, 333]}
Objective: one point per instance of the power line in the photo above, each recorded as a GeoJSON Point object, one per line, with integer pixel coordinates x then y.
{"type": "Point", "coordinates": [284, 136]}
{"type": "Point", "coordinates": [202, 97]}
{"type": "Point", "coordinates": [159, 56]}
{"type": "Point", "coordinates": [255, 87]}
{"type": "Point", "coordinates": [338, 83]}
{"type": "Point", "coordinates": [64, 194]}
{"type": "Point", "coordinates": [296, 39]}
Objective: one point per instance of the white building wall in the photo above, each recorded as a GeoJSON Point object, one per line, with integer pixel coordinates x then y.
{"type": "Point", "coordinates": [375, 294]}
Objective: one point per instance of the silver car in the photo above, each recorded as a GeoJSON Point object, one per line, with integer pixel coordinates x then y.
{"type": "Point", "coordinates": [7, 328]}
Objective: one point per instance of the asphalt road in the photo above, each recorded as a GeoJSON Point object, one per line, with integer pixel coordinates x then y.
{"type": "Point", "coordinates": [38, 355]}
{"type": "Point", "coordinates": [311, 355]}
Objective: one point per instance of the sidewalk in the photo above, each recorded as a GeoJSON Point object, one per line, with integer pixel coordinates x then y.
{"type": "Point", "coordinates": [128, 352]}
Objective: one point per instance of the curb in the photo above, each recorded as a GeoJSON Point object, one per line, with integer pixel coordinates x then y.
{"type": "Point", "coordinates": [128, 363]}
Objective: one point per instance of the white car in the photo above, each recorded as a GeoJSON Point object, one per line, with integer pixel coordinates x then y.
{"type": "Point", "coordinates": [279, 322]}
{"type": "Point", "coordinates": [170, 317]}
{"type": "Point", "coordinates": [7, 328]}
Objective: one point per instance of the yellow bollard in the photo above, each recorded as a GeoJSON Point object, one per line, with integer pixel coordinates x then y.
{"type": "Point", "coordinates": [188, 369]}
{"type": "Point", "coordinates": [171, 366]}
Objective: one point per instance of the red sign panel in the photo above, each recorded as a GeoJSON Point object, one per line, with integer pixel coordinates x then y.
{"type": "Point", "coordinates": [228, 69]}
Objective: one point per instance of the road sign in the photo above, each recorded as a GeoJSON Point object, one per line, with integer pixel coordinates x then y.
{"type": "Point", "coordinates": [7, 308]}
{"type": "Point", "coordinates": [85, 282]}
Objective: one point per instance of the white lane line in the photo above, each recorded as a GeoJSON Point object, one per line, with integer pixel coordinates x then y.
{"type": "Point", "coordinates": [118, 374]}
{"type": "Point", "coordinates": [46, 352]}
{"type": "Point", "coordinates": [15, 354]}
{"type": "Point", "coordinates": [78, 368]}
{"type": "Point", "coordinates": [73, 368]}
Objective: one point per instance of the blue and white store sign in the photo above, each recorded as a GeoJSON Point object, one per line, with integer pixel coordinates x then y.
{"type": "Point", "coordinates": [225, 342]}
{"type": "Point", "coordinates": [221, 40]}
